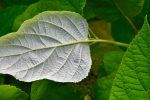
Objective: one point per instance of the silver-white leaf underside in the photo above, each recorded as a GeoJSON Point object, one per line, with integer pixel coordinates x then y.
{"type": "Point", "coordinates": [46, 47]}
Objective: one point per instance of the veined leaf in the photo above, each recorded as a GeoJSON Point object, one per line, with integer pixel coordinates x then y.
{"type": "Point", "coordinates": [132, 81]}
{"type": "Point", "coordinates": [47, 47]}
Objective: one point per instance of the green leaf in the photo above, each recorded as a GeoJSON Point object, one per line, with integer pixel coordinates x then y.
{"type": "Point", "coordinates": [7, 3]}
{"type": "Point", "coordinates": [121, 31]}
{"type": "Point", "coordinates": [26, 87]}
{"type": "Point", "coordinates": [88, 11]}
{"type": "Point", "coordinates": [48, 90]}
{"type": "Point", "coordinates": [112, 10]}
{"type": "Point", "coordinates": [7, 17]}
{"type": "Point", "coordinates": [132, 79]}
{"type": "Point", "coordinates": [49, 46]}
{"type": "Point", "coordinates": [49, 5]}
{"type": "Point", "coordinates": [129, 8]}
{"type": "Point", "coordinates": [8, 92]}
{"type": "Point", "coordinates": [103, 84]}
{"type": "Point", "coordinates": [1, 79]}
{"type": "Point", "coordinates": [146, 9]}
{"type": "Point", "coordinates": [112, 61]}
{"type": "Point", "coordinates": [103, 87]}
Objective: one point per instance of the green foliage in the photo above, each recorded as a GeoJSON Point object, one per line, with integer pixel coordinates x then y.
{"type": "Point", "coordinates": [112, 10]}
{"type": "Point", "coordinates": [48, 90]}
{"type": "Point", "coordinates": [112, 61]}
{"type": "Point", "coordinates": [8, 92]}
{"type": "Point", "coordinates": [114, 75]}
{"type": "Point", "coordinates": [121, 31]}
{"type": "Point", "coordinates": [51, 5]}
{"type": "Point", "coordinates": [146, 9]}
{"type": "Point", "coordinates": [132, 79]}
{"type": "Point", "coordinates": [103, 87]}
{"type": "Point", "coordinates": [7, 3]}
{"type": "Point", "coordinates": [129, 8]}
{"type": "Point", "coordinates": [103, 84]}
{"type": "Point", "coordinates": [8, 16]}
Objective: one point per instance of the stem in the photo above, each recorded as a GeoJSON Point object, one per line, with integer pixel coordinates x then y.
{"type": "Point", "coordinates": [90, 30]}
{"type": "Point", "coordinates": [88, 41]}
{"type": "Point", "coordinates": [78, 42]}
{"type": "Point", "coordinates": [131, 24]}
{"type": "Point", "coordinates": [108, 41]}
{"type": "Point", "coordinates": [127, 18]}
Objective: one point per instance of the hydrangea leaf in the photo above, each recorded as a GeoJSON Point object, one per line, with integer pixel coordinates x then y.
{"type": "Point", "coordinates": [47, 46]}
{"type": "Point", "coordinates": [132, 79]}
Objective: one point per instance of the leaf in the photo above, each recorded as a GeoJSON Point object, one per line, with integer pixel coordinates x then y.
{"type": "Point", "coordinates": [88, 11]}
{"type": "Point", "coordinates": [7, 3]}
{"type": "Point", "coordinates": [5, 14]}
{"type": "Point", "coordinates": [146, 9]}
{"type": "Point", "coordinates": [8, 92]}
{"type": "Point", "coordinates": [132, 79]}
{"type": "Point", "coordinates": [1, 79]}
{"type": "Point", "coordinates": [48, 46]}
{"type": "Point", "coordinates": [112, 10]}
{"type": "Point", "coordinates": [49, 5]}
{"type": "Point", "coordinates": [41, 90]}
{"type": "Point", "coordinates": [121, 31]}
{"type": "Point", "coordinates": [26, 87]}
{"type": "Point", "coordinates": [130, 8]}
{"type": "Point", "coordinates": [103, 84]}
{"type": "Point", "coordinates": [112, 61]}
{"type": "Point", "coordinates": [103, 87]}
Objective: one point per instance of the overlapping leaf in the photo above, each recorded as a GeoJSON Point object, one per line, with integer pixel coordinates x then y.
{"type": "Point", "coordinates": [8, 16]}
{"type": "Point", "coordinates": [8, 92]}
{"type": "Point", "coordinates": [112, 10]}
{"type": "Point", "coordinates": [132, 79]}
{"type": "Point", "coordinates": [45, 89]}
{"type": "Point", "coordinates": [47, 47]}
{"type": "Point", "coordinates": [49, 5]}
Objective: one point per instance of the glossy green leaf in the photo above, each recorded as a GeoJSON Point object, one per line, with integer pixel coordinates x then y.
{"type": "Point", "coordinates": [6, 22]}
{"type": "Point", "coordinates": [49, 5]}
{"type": "Point", "coordinates": [48, 90]}
{"type": "Point", "coordinates": [48, 46]}
{"type": "Point", "coordinates": [132, 79]}
{"type": "Point", "coordinates": [8, 92]}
